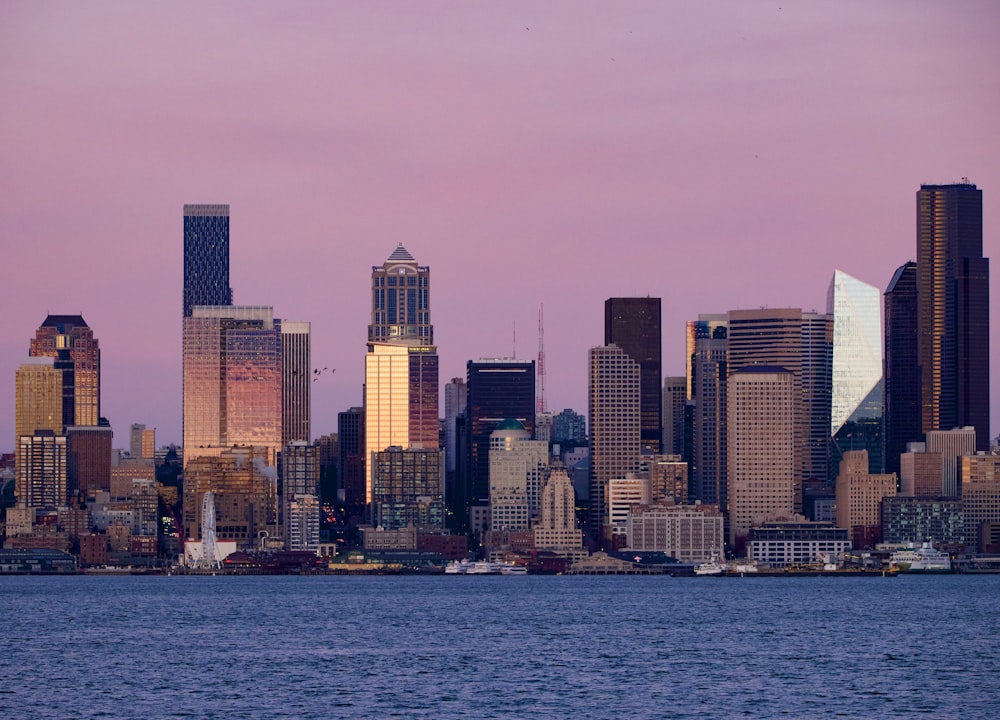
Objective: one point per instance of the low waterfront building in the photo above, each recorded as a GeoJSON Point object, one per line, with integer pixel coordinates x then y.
{"type": "Point", "coordinates": [780, 544]}
{"type": "Point", "coordinates": [923, 519]}
{"type": "Point", "coordinates": [36, 562]}
{"type": "Point", "coordinates": [689, 533]}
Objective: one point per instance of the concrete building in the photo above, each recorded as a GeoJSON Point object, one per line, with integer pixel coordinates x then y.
{"type": "Point", "coordinates": [71, 343]}
{"type": "Point", "coordinates": [634, 325]}
{"type": "Point", "coordinates": [615, 440]}
{"type": "Point", "coordinates": [400, 301]}
{"type": "Point", "coordinates": [40, 481]}
{"type": "Point", "coordinates": [88, 466]}
{"type": "Point", "coordinates": [624, 494]}
{"type": "Point", "coordinates": [921, 473]}
{"type": "Point", "coordinates": [245, 493]}
{"type": "Point", "coordinates": [859, 498]}
{"type": "Point", "coordinates": [518, 466]}
{"type": "Point", "coordinates": [780, 544]}
{"type": "Point", "coordinates": [300, 474]}
{"type": "Point", "coordinates": [923, 519]}
{"type": "Point", "coordinates": [668, 479]}
{"type": "Point", "coordinates": [980, 498]}
{"type": "Point", "coordinates": [296, 381]}
{"type": "Point", "coordinates": [556, 528]}
{"type": "Point", "coordinates": [126, 471]}
{"type": "Point", "coordinates": [952, 444]}
{"type": "Point", "coordinates": [674, 401]}
{"type": "Point", "coordinates": [142, 442]}
{"type": "Point", "coordinates": [302, 517]}
{"type": "Point", "coordinates": [408, 489]}
{"type": "Point", "coordinates": [569, 426]}
{"type": "Point", "coordinates": [689, 533]}
{"type": "Point", "coordinates": [761, 445]}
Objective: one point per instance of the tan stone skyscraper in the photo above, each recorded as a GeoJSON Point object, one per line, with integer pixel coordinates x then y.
{"type": "Point", "coordinates": [859, 496]}
{"type": "Point", "coordinates": [615, 440]}
{"type": "Point", "coordinates": [761, 447]}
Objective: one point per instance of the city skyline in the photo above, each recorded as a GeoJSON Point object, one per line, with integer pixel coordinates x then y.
{"type": "Point", "coordinates": [529, 155]}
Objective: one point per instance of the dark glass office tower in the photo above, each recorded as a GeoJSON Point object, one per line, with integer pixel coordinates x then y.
{"type": "Point", "coordinates": [953, 310]}
{"type": "Point", "coordinates": [633, 324]}
{"type": "Point", "coordinates": [497, 389]}
{"type": "Point", "coordinates": [902, 373]}
{"type": "Point", "coordinates": [206, 256]}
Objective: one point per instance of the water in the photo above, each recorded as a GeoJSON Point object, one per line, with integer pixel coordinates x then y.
{"type": "Point", "coordinates": [498, 647]}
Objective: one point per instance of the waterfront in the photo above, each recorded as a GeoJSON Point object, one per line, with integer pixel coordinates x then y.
{"type": "Point", "coordinates": [312, 647]}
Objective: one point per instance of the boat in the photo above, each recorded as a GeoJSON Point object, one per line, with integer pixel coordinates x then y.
{"type": "Point", "coordinates": [712, 567]}
{"type": "Point", "coordinates": [483, 567]}
{"type": "Point", "coordinates": [925, 559]}
{"type": "Point", "coordinates": [512, 569]}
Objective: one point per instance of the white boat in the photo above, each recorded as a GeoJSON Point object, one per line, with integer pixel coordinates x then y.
{"type": "Point", "coordinates": [712, 567]}
{"type": "Point", "coordinates": [923, 559]}
{"type": "Point", "coordinates": [457, 567]}
{"type": "Point", "coordinates": [483, 567]}
{"type": "Point", "coordinates": [512, 569]}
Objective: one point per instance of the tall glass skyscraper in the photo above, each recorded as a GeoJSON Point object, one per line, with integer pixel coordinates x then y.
{"type": "Point", "coordinates": [902, 371]}
{"type": "Point", "coordinates": [206, 256]}
{"type": "Point", "coordinates": [953, 310]}
{"type": "Point", "coordinates": [232, 381]}
{"type": "Point", "coordinates": [856, 402]}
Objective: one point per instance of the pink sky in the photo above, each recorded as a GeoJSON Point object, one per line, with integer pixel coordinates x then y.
{"type": "Point", "coordinates": [718, 155]}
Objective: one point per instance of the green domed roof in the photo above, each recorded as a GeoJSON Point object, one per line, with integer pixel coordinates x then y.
{"type": "Point", "coordinates": [510, 424]}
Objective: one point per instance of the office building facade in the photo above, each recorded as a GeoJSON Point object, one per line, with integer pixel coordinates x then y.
{"type": "Point", "coordinates": [634, 325]}
{"type": "Point", "coordinates": [77, 356]}
{"type": "Point", "coordinates": [206, 256]}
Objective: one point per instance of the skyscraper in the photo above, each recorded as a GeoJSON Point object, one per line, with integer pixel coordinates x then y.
{"type": "Point", "coordinates": [902, 369]}
{"type": "Point", "coordinates": [37, 398]}
{"type": "Point", "coordinates": [401, 306]}
{"type": "Point", "coordinates": [856, 401]}
{"type": "Point", "coordinates": [615, 440]}
{"type": "Point", "coordinates": [498, 389]}
{"type": "Point", "coordinates": [708, 373]}
{"type": "Point", "coordinates": [232, 381]}
{"type": "Point", "coordinates": [296, 382]}
{"type": "Point", "coordinates": [633, 324]}
{"type": "Point", "coordinates": [401, 399]}
{"type": "Point", "coordinates": [762, 463]}
{"type": "Point", "coordinates": [401, 366]}
{"type": "Point", "coordinates": [70, 341]}
{"type": "Point", "coordinates": [953, 310]}
{"type": "Point", "coordinates": [206, 256]}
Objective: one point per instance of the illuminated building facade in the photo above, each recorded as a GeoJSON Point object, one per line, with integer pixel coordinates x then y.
{"type": "Point", "coordinates": [401, 304]}
{"type": "Point", "coordinates": [232, 381]}
{"type": "Point", "coordinates": [70, 341]}
{"type": "Point", "coordinates": [408, 488]}
{"type": "Point", "coordinates": [41, 470]}
{"type": "Point", "coordinates": [37, 397]}
{"type": "Point", "coordinates": [401, 400]}
{"type": "Point", "coordinates": [856, 390]}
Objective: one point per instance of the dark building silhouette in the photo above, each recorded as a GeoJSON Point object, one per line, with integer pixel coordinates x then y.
{"type": "Point", "coordinates": [633, 324]}
{"type": "Point", "coordinates": [351, 434]}
{"type": "Point", "coordinates": [70, 341]}
{"type": "Point", "coordinates": [497, 389]}
{"type": "Point", "coordinates": [953, 310]}
{"type": "Point", "coordinates": [206, 256]}
{"type": "Point", "coordinates": [902, 374]}
{"type": "Point", "coordinates": [88, 462]}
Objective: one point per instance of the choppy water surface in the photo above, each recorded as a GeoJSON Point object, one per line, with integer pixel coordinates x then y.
{"type": "Point", "coordinates": [497, 647]}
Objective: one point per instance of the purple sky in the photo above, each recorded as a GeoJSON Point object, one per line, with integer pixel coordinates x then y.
{"type": "Point", "coordinates": [718, 155]}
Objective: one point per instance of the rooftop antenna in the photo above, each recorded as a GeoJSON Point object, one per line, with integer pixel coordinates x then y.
{"type": "Point", "coordinates": [514, 349]}
{"type": "Point", "coordinates": [540, 400]}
